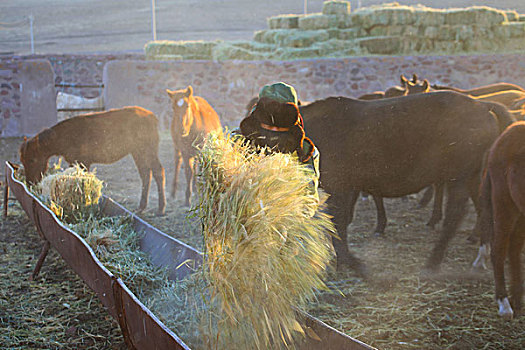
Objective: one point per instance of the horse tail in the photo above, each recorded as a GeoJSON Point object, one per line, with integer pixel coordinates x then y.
{"type": "Point", "coordinates": [502, 114]}
{"type": "Point", "coordinates": [485, 204]}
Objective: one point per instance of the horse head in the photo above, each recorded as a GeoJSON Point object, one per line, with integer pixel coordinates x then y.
{"type": "Point", "coordinates": [183, 103]}
{"type": "Point", "coordinates": [34, 155]}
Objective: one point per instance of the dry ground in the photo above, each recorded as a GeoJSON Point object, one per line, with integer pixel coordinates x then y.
{"type": "Point", "coordinates": [397, 309]}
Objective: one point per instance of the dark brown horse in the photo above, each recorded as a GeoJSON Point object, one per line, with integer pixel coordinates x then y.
{"type": "Point", "coordinates": [503, 213]}
{"type": "Point", "coordinates": [103, 137]}
{"type": "Point", "coordinates": [193, 118]}
{"type": "Point", "coordinates": [398, 146]}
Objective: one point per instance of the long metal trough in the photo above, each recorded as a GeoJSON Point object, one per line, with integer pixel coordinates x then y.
{"type": "Point", "coordinates": [140, 327]}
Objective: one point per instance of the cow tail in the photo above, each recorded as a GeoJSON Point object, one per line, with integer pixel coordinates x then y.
{"type": "Point", "coordinates": [503, 116]}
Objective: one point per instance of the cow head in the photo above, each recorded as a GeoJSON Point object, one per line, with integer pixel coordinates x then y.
{"type": "Point", "coordinates": [34, 155]}
{"type": "Point", "coordinates": [182, 103]}
{"type": "Point", "coordinates": [417, 88]}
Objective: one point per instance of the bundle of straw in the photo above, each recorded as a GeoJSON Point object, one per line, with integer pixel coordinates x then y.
{"type": "Point", "coordinates": [265, 252]}
{"type": "Point", "coordinates": [72, 193]}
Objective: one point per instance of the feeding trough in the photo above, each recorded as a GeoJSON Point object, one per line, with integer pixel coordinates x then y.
{"type": "Point", "coordinates": [140, 327]}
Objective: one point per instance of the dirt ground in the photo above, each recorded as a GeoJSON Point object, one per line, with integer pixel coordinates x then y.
{"type": "Point", "coordinates": [83, 26]}
{"type": "Point", "coordinates": [397, 309]}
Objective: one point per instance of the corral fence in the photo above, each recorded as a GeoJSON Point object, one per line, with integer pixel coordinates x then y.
{"type": "Point", "coordinates": [69, 105]}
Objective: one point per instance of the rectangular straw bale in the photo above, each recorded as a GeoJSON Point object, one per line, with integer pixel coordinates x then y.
{"type": "Point", "coordinates": [336, 8]}
{"type": "Point", "coordinates": [283, 21]}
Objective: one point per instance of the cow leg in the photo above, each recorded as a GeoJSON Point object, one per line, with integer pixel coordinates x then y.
{"type": "Point", "coordinates": [341, 207]}
{"type": "Point", "coordinates": [427, 196]}
{"type": "Point", "coordinates": [188, 170]}
{"type": "Point", "coordinates": [145, 176]}
{"type": "Point", "coordinates": [160, 180]}
{"type": "Point", "coordinates": [437, 210]}
{"type": "Point", "coordinates": [517, 241]}
{"type": "Point", "coordinates": [474, 187]}
{"type": "Point", "coordinates": [455, 211]}
{"type": "Point", "coordinates": [381, 215]}
{"type": "Point", "coordinates": [177, 158]}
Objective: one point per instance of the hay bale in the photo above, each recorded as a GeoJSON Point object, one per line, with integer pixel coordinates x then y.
{"type": "Point", "coordinates": [273, 36]}
{"type": "Point", "coordinates": [72, 194]}
{"type": "Point", "coordinates": [265, 254]}
{"type": "Point", "coordinates": [384, 15]}
{"type": "Point", "coordinates": [384, 45]}
{"type": "Point", "coordinates": [317, 21]}
{"type": "Point", "coordinates": [480, 15]}
{"type": "Point", "coordinates": [192, 50]}
{"type": "Point", "coordinates": [336, 8]}
{"type": "Point", "coordinates": [511, 30]}
{"type": "Point", "coordinates": [230, 51]}
{"type": "Point", "coordinates": [512, 15]}
{"type": "Point", "coordinates": [303, 38]}
{"type": "Point", "coordinates": [394, 30]}
{"type": "Point", "coordinates": [283, 21]}
{"type": "Point", "coordinates": [293, 53]}
{"type": "Point", "coordinates": [347, 34]}
{"type": "Point", "coordinates": [425, 16]}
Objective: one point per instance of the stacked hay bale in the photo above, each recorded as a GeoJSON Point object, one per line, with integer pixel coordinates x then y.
{"type": "Point", "coordinates": [388, 29]}
{"type": "Point", "coordinates": [265, 254]}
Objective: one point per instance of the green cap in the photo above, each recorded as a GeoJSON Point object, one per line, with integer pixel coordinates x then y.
{"type": "Point", "coordinates": [280, 92]}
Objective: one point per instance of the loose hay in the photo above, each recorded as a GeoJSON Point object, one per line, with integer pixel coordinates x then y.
{"type": "Point", "coordinates": [265, 253]}
{"type": "Point", "coordinates": [72, 193]}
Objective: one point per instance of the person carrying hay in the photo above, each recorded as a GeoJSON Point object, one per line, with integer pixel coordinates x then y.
{"type": "Point", "coordinates": [276, 123]}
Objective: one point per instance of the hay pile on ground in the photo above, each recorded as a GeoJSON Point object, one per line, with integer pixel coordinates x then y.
{"type": "Point", "coordinates": [72, 194]}
{"type": "Point", "coordinates": [264, 251]}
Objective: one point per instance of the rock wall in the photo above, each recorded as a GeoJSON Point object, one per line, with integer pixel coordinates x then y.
{"type": "Point", "coordinates": [388, 29]}
{"type": "Point", "coordinates": [75, 69]}
{"type": "Point", "coordinates": [229, 85]}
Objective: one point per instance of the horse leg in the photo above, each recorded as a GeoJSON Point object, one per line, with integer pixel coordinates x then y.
{"type": "Point", "coordinates": [517, 240]}
{"type": "Point", "coordinates": [145, 176]}
{"type": "Point", "coordinates": [188, 170]}
{"type": "Point", "coordinates": [177, 158]}
{"type": "Point", "coordinates": [341, 207]}
{"type": "Point", "coordinates": [505, 217]}
{"type": "Point", "coordinates": [454, 212]}
{"type": "Point", "coordinates": [437, 209]}
{"type": "Point", "coordinates": [160, 179]}
{"type": "Point", "coordinates": [381, 215]}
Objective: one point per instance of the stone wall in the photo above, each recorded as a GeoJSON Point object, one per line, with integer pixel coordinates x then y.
{"type": "Point", "coordinates": [75, 69]}
{"type": "Point", "coordinates": [229, 85]}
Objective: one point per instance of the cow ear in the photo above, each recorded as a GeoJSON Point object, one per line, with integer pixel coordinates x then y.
{"type": "Point", "coordinates": [426, 85]}
{"type": "Point", "coordinates": [414, 78]}
{"type": "Point", "coordinates": [403, 80]}
{"type": "Point", "coordinates": [189, 91]}
{"type": "Point", "coordinates": [170, 93]}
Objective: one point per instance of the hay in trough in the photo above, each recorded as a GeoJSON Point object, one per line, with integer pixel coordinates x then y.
{"type": "Point", "coordinates": [265, 254]}
{"type": "Point", "coordinates": [72, 194]}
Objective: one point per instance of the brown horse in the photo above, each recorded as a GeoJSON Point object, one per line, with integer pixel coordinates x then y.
{"type": "Point", "coordinates": [397, 146]}
{"type": "Point", "coordinates": [193, 118]}
{"type": "Point", "coordinates": [103, 137]}
{"type": "Point", "coordinates": [503, 213]}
